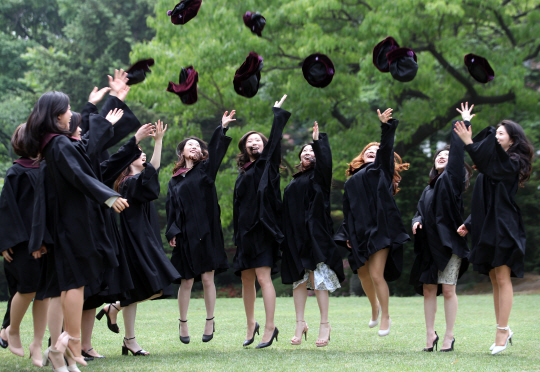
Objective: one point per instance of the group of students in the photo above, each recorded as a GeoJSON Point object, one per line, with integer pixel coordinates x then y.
{"type": "Point", "coordinates": [64, 251]}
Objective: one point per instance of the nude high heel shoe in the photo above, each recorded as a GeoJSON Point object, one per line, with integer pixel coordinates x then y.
{"type": "Point", "coordinates": [298, 341]}
{"type": "Point", "coordinates": [62, 345]}
{"type": "Point", "coordinates": [19, 351]}
{"type": "Point", "coordinates": [48, 360]}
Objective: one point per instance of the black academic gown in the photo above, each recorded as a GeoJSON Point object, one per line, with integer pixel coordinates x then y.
{"type": "Point", "coordinates": [193, 215]}
{"type": "Point", "coordinates": [440, 212]}
{"type": "Point", "coordinates": [372, 220]}
{"type": "Point", "coordinates": [76, 257]}
{"type": "Point", "coordinates": [150, 268]}
{"type": "Point", "coordinates": [498, 234]}
{"type": "Point", "coordinates": [16, 211]}
{"type": "Point", "coordinates": [257, 205]}
{"type": "Point", "coordinates": [307, 224]}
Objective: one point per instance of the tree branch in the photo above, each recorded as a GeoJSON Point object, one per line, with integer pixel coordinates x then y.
{"type": "Point", "coordinates": [505, 28]}
{"type": "Point", "coordinates": [218, 91]}
{"type": "Point", "coordinates": [452, 71]}
{"type": "Point", "coordinates": [533, 54]}
{"type": "Point", "coordinates": [341, 118]}
{"type": "Point", "coordinates": [221, 108]}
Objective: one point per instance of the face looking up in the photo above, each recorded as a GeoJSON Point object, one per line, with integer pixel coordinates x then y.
{"type": "Point", "coordinates": [307, 156]}
{"type": "Point", "coordinates": [370, 154]}
{"type": "Point", "coordinates": [192, 150]}
{"type": "Point", "coordinates": [441, 160]}
{"type": "Point", "coordinates": [503, 138]}
{"type": "Point", "coordinates": [254, 146]}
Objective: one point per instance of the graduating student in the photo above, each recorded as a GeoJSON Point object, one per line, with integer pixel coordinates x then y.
{"type": "Point", "coordinates": [194, 224]}
{"type": "Point", "coordinates": [151, 271]}
{"type": "Point", "coordinates": [74, 260]}
{"type": "Point", "coordinates": [310, 255]}
{"type": "Point", "coordinates": [503, 157]}
{"type": "Point", "coordinates": [372, 228]}
{"type": "Point", "coordinates": [441, 253]}
{"type": "Point", "coordinates": [22, 270]}
{"type": "Point", "coordinates": [257, 217]}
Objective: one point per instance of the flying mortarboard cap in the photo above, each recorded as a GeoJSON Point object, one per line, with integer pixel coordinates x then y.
{"type": "Point", "coordinates": [255, 22]}
{"type": "Point", "coordinates": [187, 89]}
{"type": "Point", "coordinates": [403, 66]}
{"type": "Point", "coordinates": [184, 11]}
{"type": "Point", "coordinates": [137, 71]}
{"type": "Point", "coordinates": [318, 70]}
{"type": "Point", "coordinates": [479, 68]}
{"type": "Point", "coordinates": [381, 50]}
{"type": "Point", "coordinates": [247, 77]}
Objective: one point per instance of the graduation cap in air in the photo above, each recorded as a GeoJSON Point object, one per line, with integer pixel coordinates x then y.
{"type": "Point", "coordinates": [137, 71]}
{"type": "Point", "coordinates": [247, 77]}
{"type": "Point", "coordinates": [255, 22]}
{"type": "Point", "coordinates": [403, 64]}
{"type": "Point", "coordinates": [318, 70]}
{"type": "Point", "coordinates": [184, 11]}
{"type": "Point", "coordinates": [381, 50]}
{"type": "Point", "coordinates": [187, 87]}
{"type": "Point", "coordinates": [479, 68]}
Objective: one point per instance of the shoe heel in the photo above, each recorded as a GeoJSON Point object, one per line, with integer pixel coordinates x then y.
{"type": "Point", "coordinates": [124, 350]}
{"type": "Point", "coordinates": [100, 314]}
{"type": "Point", "coordinates": [305, 335]}
{"type": "Point", "coordinates": [510, 340]}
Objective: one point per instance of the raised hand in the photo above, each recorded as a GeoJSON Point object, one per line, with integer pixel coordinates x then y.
{"type": "Point", "coordinates": [114, 115]}
{"type": "Point", "coordinates": [466, 111]}
{"type": "Point", "coordinates": [278, 104]}
{"type": "Point", "coordinates": [144, 131]}
{"type": "Point", "coordinates": [97, 95]}
{"type": "Point", "coordinates": [417, 225]}
{"type": "Point", "coordinates": [119, 205]}
{"type": "Point", "coordinates": [385, 116]}
{"type": "Point", "coordinates": [316, 132]}
{"type": "Point", "coordinates": [118, 83]}
{"type": "Point", "coordinates": [6, 254]}
{"type": "Point", "coordinates": [225, 120]}
{"type": "Point", "coordinates": [463, 133]}
{"type": "Point", "coordinates": [462, 230]}
{"type": "Point", "coordinates": [159, 131]}
{"type": "Point", "coordinates": [123, 93]}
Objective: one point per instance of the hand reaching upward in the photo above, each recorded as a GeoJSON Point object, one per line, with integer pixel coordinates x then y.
{"type": "Point", "coordinates": [123, 93]}
{"type": "Point", "coordinates": [159, 131]}
{"type": "Point", "coordinates": [225, 120]}
{"type": "Point", "coordinates": [144, 131]}
{"type": "Point", "coordinates": [316, 132]}
{"type": "Point", "coordinates": [114, 115]}
{"type": "Point", "coordinates": [97, 95]}
{"type": "Point", "coordinates": [118, 83]}
{"type": "Point", "coordinates": [385, 116]}
{"type": "Point", "coordinates": [278, 104]}
{"type": "Point", "coordinates": [464, 133]}
{"type": "Point", "coordinates": [466, 111]}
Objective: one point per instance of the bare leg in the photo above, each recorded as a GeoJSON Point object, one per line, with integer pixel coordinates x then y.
{"type": "Point", "coordinates": [209, 300]}
{"type": "Point", "coordinates": [39, 314]}
{"type": "Point", "coordinates": [430, 309]}
{"type": "Point", "coordinates": [130, 313]}
{"type": "Point", "coordinates": [72, 305]}
{"type": "Point", "coordinates": [184, 295]}
{"type": "Point", "coordinates": [299, 297]}
{"type": "Point", "coordinates": [450, 313]}
{"type": "Point", "coordinates": [19, 306]}
{"type": "Point", "coordinates": [248, 294]}
{"type": "Point", "coordinates": [87, 327]}
{"type": "Point", "coordinates": [55, 318]}
{"type": "Point", "coordinates": [495, 285]}
{"type": "Point", "coordinates": [323, 300]}
{"type": "Point", "coordinates": [269, 298]}
{"type": "Point", "coordinates": [369, 289]}
{"type": "Point", "coordinates": [506, 297]}
{"type": "Point", "coordinates": [377, 262]}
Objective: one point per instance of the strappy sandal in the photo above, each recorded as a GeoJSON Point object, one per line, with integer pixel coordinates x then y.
{"type": "Point", "coordinates": [125, 349]}
{"type": "Point", "coordinates": [324, 343]}
{"type": "Point", "coordinates": [298, 341]}
{"type": "Point", "coordinates": [112, 326]}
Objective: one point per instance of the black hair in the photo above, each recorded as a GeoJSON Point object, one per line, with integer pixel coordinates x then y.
{"type": "Point", "coordinates": [521, 149]}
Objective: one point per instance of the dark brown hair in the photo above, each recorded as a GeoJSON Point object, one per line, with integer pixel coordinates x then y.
{"type": "Point", "coordinates": [180, 153]}
{"type": "Point", "coordinates": [243, 158]}
{"type": "Point", "coordinates": [17, 141]}
{"type": "Point", "coordinates": [311, 164]}
{"type": "Point", "coordinates": [521, 149]}
{"type": "Point", "coordinates": [74, 123]}
{"type": "Point", "coordinates": [433, 173]}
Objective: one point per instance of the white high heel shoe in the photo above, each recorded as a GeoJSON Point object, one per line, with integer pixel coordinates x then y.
{"type": "Point", "coordinates": [385, 332]}
{"type": "Point", "coordinates": [47, 360]}
{"type": "Point", "coordinates": [373, 323]}
{"type": "Point", "coordinates": [498, 349]}
{"type": "Point", "coordinates": [511, 334]}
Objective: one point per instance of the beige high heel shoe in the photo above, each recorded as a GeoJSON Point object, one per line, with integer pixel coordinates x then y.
{"type": "Point", "coordinates": [19, 351]}
{"type": "Point", "coordinates": [35, 361]}
{"type": "Point", "coordinates": [324, 343]}
{"type": "Point", "coordinates": [298, 341]}
{"type": "Point", "coordinates": [62, 345]}
{"type": "Point", "coordinates": [48, 360]}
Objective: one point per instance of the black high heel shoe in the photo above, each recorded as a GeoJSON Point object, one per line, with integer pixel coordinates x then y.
{"type": "Point", "coordinates": [183, 339]}
{"type": "Point", "coordinates": [269, 343]}
{"type": "Point", "coordinates": [125, 349]}
{"type": "Point", "coordinates": [250, 341]}
{"type": "Point", "coordinates": [434, 345]}
{"type": "Point", "coordinates": [451, 347]}
{"type": "Point", "coordinates": [3, 343]}
{"type": "Point", "coordinates": [206, 338]}
{"type": "Point", "coordinates": [112, 326]}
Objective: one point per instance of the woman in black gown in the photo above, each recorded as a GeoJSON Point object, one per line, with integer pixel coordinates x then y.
{"type": "Point", "coordinates": [16, 211]}
{"type": "Point", "coordinates": [74, 260]}
{"type": "Point", "coordinates": [151, 271]}
{"type": "Point", "coordinates": [503, 157]}
{"type": "Point", "coordinates": [310, 255]}
{"type": "Point", "coordinates": [441, 253]}
{"type": "Point", "coordinates": [194, 224]}
{"type": "Point", "coordinates": [257, 221]}
{"type": "Point", "coordinates": [372, 228]}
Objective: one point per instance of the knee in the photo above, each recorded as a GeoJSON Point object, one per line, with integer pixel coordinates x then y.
{"type": "Point", "coordinates": [449, 291]}
{"type": "Point", "coordinates": [377, 277]}
{"type": "Point", "coordinates": [207, 281]}
{"type": "Point", "coordinates": [503, 279]}
{"type": "Point", "coordinates": [186, 284]}
{"type": "Point", "coordinates": [430, 291]}
{"type": "Point", "coordinates": [248, 280]}
{"type": "Point", "coordinates": [265, 281]}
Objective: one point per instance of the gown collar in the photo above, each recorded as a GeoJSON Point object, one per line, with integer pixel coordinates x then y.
{"type": "Point", "coordinates": [26, 162]}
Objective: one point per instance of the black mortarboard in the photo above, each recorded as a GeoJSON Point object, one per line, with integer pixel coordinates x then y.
{"type": "Point", "coordinates": [318, 70]}
{"type": "Point", "coordinates": [184, 11]}
{"type": "Point", "coordinates": [479, 68]}
{"type": "Point", "coordinates": [255, 22]}
{"type": "Point", "coordinates": [137, 71]}
{"type": "Point", "coordinates": [381, 50]}
{"type": "Point", "coordinates": [403, 66]}
{"type": "Point", "coordinates": [247, 77]}
{"type": "Point", "coordinates": [187, 89]}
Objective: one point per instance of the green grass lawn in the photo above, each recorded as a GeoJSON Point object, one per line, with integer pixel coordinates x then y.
{"type": "Point", "coordinates": [353, 346]}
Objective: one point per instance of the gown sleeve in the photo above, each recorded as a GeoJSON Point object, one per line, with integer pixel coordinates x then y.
{"type": "Point", "coordinates": [120, 160]}
{"type": "Point", "coordinates": [170, 207]}
{"type": "Point", "coordinates": [323, 162]}
{"type": "Point", "coordinates": [87, 110]}
{"type": "Point", "coordinates": [127, 124]}
{"type": "Point", "coordinates": [342, 235]}
{"type": "Point", "coordinates": [489, 156]}
{"type": "Point", "coordinates": [12, 229]}
{"type": "Point", "coordinates": [272, 150]}
{"type": "Point", "coordinates": [143, 187]}
{"type": "Point", "coordinates": [417, 218]}
{"type": "Point", "coordinates": [75, 169]}
{"type": "Point", "coordinates": [99, 131]}
{"type": "Point", "coordinates": [468, 224]}
{"type": "Point", "coordinates": [217, 148]}
{"type": "Point", "coordinates": [456, 160]}
{"type": "Point", "coordinates": [39, 234]}
{"type": "Point", "coordinates": [385, 154]}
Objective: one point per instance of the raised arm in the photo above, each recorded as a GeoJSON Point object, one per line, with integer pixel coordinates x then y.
{"type": "Point", "coordinates": [272, 150]}
{"type": "Point", "coordinates": [219, 143]}
{"type": "Point", "coordinates": [385, 154]}
{"type": "Point", "coordinates": [456, 160]}
{"type": "Point", "coordinates": [158, 143]}
{"type": "Point", "coordinates": [323, 158]}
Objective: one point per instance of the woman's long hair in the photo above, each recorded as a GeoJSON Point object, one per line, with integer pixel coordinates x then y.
{"type": "Point", "coordinates": [521, 149]}
{"type": "Point", "coordinates": [181, 163]}
{"type": "Point", "coordinates": [44, 119]}
{"type": "Point", "coordinates": [433, 173]}
{"type": "Point", "coordinates": [243, 158]}
{"type": "Point", "coordinates": [74, 123]}
{"type": "Point", "coordinates": [299, 166]}
{"type": "Point", "coordinates": [17, 141]}
{"type": "Point", "coordinates": [399, 166]}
